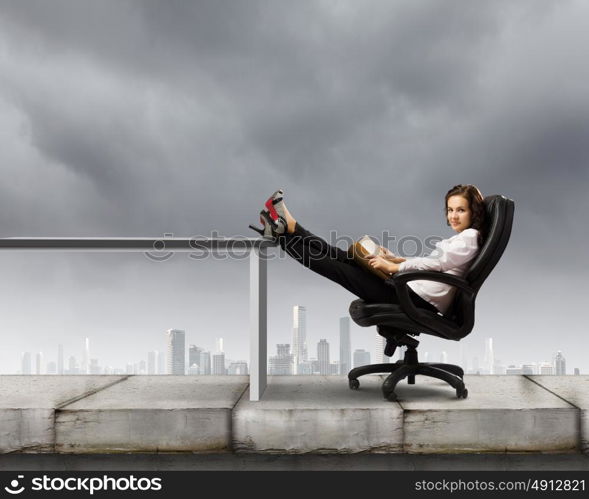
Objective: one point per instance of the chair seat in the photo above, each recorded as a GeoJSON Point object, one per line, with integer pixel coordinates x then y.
{"type": "Point", "coordinates": [391, 314]}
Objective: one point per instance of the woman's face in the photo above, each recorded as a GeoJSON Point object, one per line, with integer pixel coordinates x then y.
{"type": "Point", "coordinates": [458, 213]}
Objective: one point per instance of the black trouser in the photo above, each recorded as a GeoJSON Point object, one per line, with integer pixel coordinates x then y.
{"type": "Point", "coordinates": [335, 264]}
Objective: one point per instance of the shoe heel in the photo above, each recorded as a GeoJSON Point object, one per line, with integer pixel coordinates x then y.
{"type": "Point", "coordinates": [259, 231]}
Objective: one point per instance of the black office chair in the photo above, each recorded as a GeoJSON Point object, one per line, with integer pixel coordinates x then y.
{"type": "Point", "coordinates": [400, 323]}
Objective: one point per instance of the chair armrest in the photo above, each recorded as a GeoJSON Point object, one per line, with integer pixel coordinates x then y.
{"type": "Point", "coordinates": [400, 280]}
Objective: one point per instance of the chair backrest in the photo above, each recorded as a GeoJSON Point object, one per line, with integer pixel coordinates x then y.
{"type": "Point", "coordinates": [498, 221]}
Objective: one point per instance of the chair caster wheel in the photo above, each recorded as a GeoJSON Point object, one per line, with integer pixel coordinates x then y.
{"type": "Point", "coordinates": [391, 397]}
{"type": "Point", "coordinates": [461, 393]}
{"type": "Point", "coordinates": [354, 384]}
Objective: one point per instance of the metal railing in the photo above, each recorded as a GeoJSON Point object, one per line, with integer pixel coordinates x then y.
{"type": "Point", "coordinates": [162, 246]}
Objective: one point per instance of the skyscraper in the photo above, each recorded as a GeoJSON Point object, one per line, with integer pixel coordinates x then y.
{"type": "Point", "coordinates": [489, 360]}
{"type": "Point", "coordinates": [151, 362]}
{"type": "Point", "coordinates": [25, 363]}
{"type": "Point", "coordinates": [323, 357]}
{"type": "Point", "coordinates": [39, 363]}
{"type": "Point", "coordinates": [381, 342]}
{"type": "Point", "coordinates": [299, 337]}
{"type": "Point", "coordinates": [281, 363]}
{"type": "Point", "coordinates": [161, 362]}
{"type": "Point", "coordinates": [194, 356]}
{"type": "Point", "coordinates": [306, 367]}
{"type": "Point", "coordinates": [345, 346]}
{"type": "Point", "coordinates": [559, 364]}
{"type": "Point", "coordinates": [219, 364]}
{"type": "Point", "coordinates": [204, 366]}
{"type": "Point", "coordinates": [86, 362]}
{"type": "Point", "coordinates": [60, 359]}
{"type": "Point", "coordinates": [94, 367]}
{"type": "Point", "coordinates": [361, 358]}
{"type": "Point", "coordinates": [238, 367]}
{"type": "Point", "coordinates": [73, 366]}
{"type": "Point", "coordinates": [176, 339]}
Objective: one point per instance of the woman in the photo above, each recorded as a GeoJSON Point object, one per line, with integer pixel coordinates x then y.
{"type": "Point", "coordinates": [464, 211]}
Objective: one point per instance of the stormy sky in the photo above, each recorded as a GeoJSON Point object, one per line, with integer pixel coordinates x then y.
{"type": "Point", "coordinates": [139, 118]}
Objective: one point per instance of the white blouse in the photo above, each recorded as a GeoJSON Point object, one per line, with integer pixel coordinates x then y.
{"type": "Point", "coordinates": [451, 256]}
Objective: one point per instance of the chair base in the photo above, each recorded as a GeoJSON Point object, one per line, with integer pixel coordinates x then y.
{"type": "Point", "coordinates": [409, 367]}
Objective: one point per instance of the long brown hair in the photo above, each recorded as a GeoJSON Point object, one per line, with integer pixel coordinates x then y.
{"type": "Point", "coordinates": [476, 202]}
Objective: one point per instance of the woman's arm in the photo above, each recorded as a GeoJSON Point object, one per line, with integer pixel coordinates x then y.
{"type": "Point", "coordinates": [395, 259]}
{"type": "Point", "coordinates": [384, 264]}
{"type": "Point", "coordinates": [449, 254]}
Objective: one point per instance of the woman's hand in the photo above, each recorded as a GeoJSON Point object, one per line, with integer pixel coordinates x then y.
{"type": "Point", "coordinates": [384, 264]}
{"type": "Point", "coordinates": [385, 252]}
{"type": "Point", "coordinates": [389, 255]}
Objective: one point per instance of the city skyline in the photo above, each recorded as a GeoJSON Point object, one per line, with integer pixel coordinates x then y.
{"type": "Point", "coordinates": [194, 360]}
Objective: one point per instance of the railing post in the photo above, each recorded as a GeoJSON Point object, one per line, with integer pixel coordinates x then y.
{"type": "Point", "coordinates": [258, 322]}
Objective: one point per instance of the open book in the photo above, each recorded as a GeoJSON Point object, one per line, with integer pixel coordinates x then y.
{"type": "Point", "coordinates": [362, 248]}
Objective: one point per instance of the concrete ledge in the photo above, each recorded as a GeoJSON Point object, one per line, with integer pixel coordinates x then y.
{"type": "Point", "coordinates": [575, 390]}
{"type": "Point", "coordinates": [297, 415]}
{"type": "Point", "coordinates": [501, 414]}
{"type": "Point", "coordinates": [319, 414]}
{"type": "Point", "coordinates": [28, 403]}
{"type": "Point", "coordinates": [152, 414]}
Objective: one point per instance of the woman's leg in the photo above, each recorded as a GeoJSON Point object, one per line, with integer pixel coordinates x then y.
{"type": "Point", "coordinates": [316, 246]}
{"type": "Point", "coordinates": [332, 262]}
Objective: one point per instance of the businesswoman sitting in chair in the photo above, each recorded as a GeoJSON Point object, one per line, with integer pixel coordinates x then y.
{"type": "Point", "coordinates": [464, 211]}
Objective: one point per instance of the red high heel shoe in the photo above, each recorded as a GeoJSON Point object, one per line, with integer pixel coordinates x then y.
{"type": "Point", "coordinates": [275, 206]}
{"type": "Point", "coordinates": [271, 229]}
